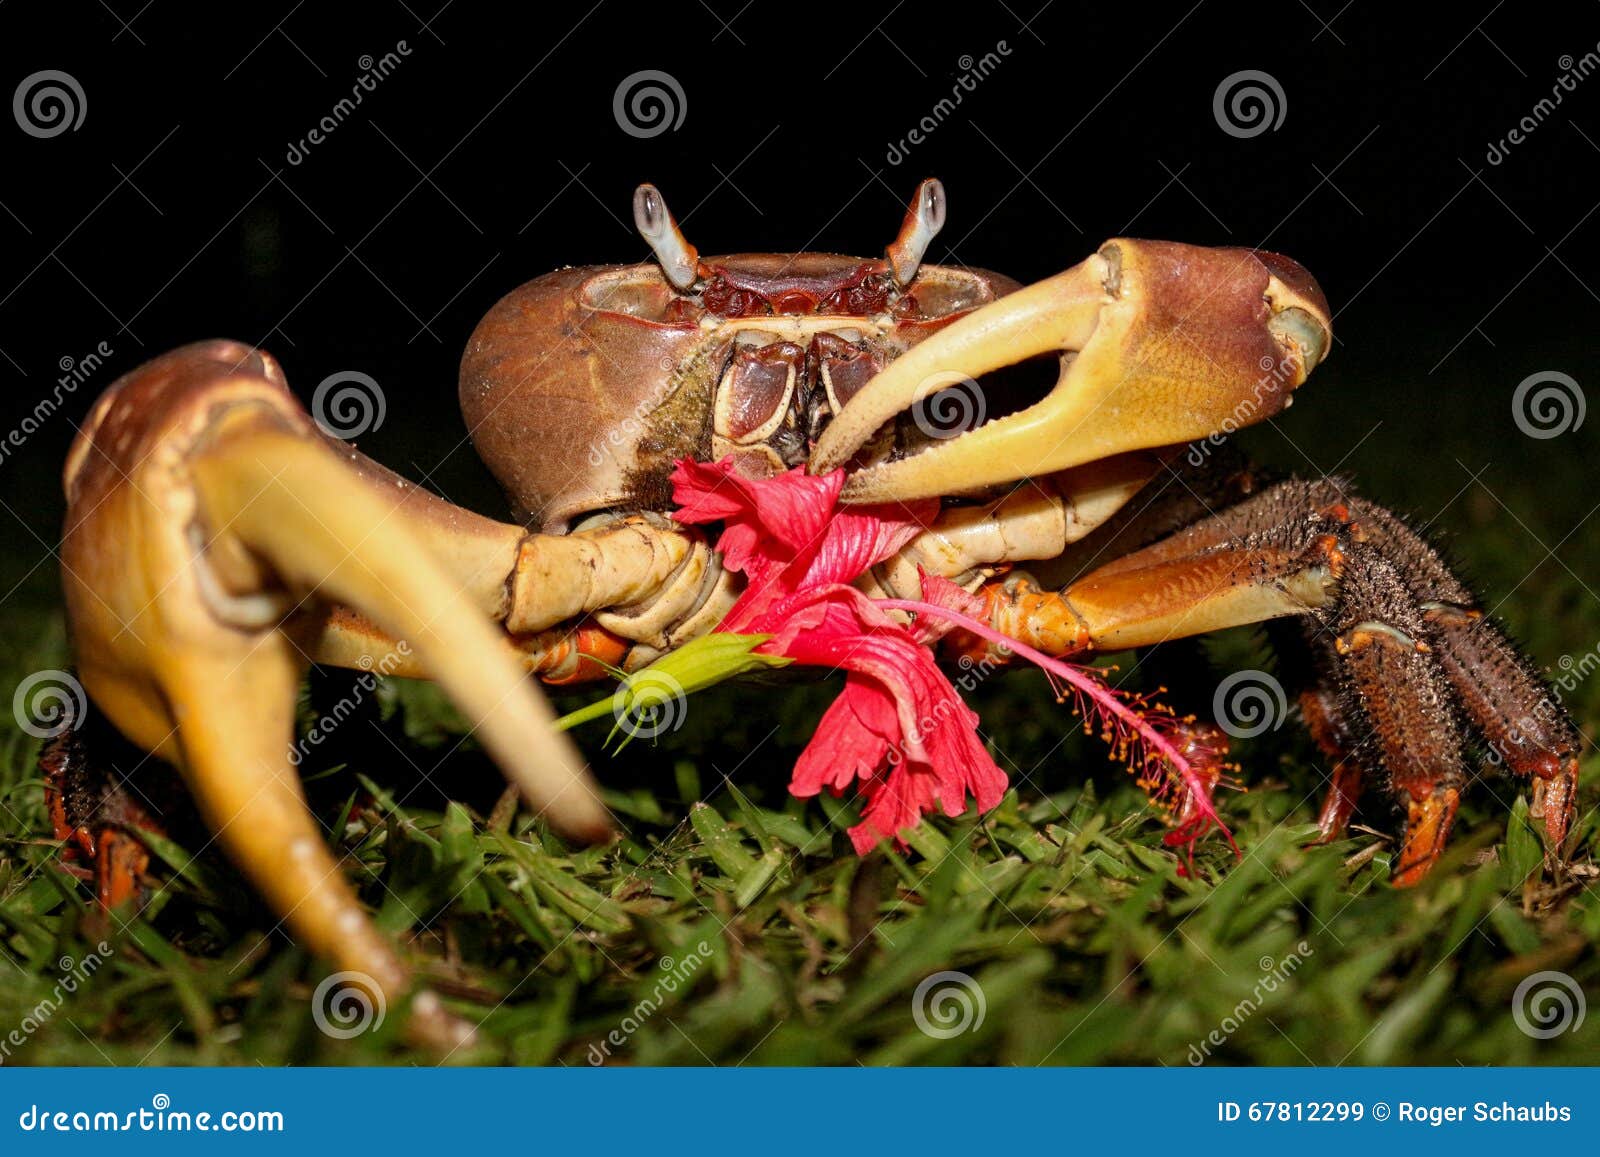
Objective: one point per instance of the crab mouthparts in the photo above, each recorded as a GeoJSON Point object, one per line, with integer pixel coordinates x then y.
{"type": "Point", "coordinates": [1159, 343]}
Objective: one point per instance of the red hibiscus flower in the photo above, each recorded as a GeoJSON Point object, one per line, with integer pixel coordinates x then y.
{"type": "Point", "coordinates": [899, 731]}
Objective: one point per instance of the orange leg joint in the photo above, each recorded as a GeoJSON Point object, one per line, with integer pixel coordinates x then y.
{"type": "Point", "coordinates": [583, 655]}
{"type": "Point", "coordinates": [1019, 609]}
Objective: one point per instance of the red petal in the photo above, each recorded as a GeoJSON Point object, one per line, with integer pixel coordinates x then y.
{"type": "Point", "coordinates": [860, 725]}
{"type": "Point", "coordinates": [898, 709]}
{"type": "Point", "coordinates": [781, 516]}
{"type": "Point", "coordinates": [898, 730]}
{"type": "Point", "coordinates": [862, 537]}
{"type": "Point", "coordinates": [784, 533]}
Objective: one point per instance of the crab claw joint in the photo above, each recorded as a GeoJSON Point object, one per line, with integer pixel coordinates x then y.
{"type": "Point", "coordinates": [1160, 344]}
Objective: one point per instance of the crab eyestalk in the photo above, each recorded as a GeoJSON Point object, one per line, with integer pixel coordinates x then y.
{"type": "Point", "coordinates": [1160, 344]}
{"type": "Point", "coordinates": [923, 221]}
{"type": "Point", "coordinates": [208, 520]}
{"type": "Point", "coordinates": [680, 262]}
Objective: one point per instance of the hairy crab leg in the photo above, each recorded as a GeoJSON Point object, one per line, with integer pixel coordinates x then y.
{"type": "Point", "coordinates": [1398, 696]}
{"type": "Point", "coordinates": [1497, 690]}
{"type": "Point", "coordinates": [1402, 662]}
{"type": "Point", "coordinates": [1329, 726]}
{"type": "Point", "coordinates": [1394, 679]}
{"type": "Point", "coordinates": [1164, 595]}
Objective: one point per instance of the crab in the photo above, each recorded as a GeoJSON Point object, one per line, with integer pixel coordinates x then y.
{"type": "Point", "coordinates": [218, 542]}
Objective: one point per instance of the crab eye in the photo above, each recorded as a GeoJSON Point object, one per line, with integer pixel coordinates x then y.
{"type": "Point", "coordinates": [932, 204]}
{"type": "Point", "coordinates": [649, 211]}
{"type": "Point", "coordinates": [679, 260]}
{"type": "Point", "coordinates": [923, 221]}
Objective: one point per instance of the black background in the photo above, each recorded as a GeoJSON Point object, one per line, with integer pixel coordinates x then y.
{"type": "Point", "coordinates": [492, 154]}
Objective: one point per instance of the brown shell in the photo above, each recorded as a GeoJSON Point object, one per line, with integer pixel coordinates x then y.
{"type": "Point", "coordinates": [582, 387]}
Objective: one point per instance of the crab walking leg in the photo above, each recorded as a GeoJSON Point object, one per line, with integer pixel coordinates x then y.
{"type": "Point", "coordinates": [1397, 690]}
{"type": "Point", "coordinates": [1309, 665]}
{"type": "Point", "coordinates": [1499, 690]}
{"type": "Point", "coordinates": [1178, 587]}
{"type": "Point", "coordinates": [1398, 699]}
{"type": "Point", "coordinates": [1172, 599]}
{"type": "Point", "coordinates": [1402, 661]}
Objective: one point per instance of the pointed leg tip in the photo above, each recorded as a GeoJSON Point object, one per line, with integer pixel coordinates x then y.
{"type": "Point", "coordinates": [1555, 799]}
{"type": "Point", "coordinates": [1409, 876]}
{"type": "Point", "coordinates": [1344, 792]}
{"type": "Point", "coordinates": [1428, 822]}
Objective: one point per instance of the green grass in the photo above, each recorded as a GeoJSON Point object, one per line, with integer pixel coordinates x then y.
{"type": "Point", "coordinates": [1087, 944]}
